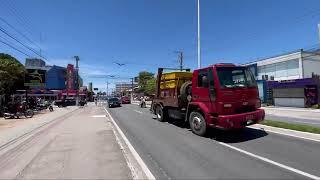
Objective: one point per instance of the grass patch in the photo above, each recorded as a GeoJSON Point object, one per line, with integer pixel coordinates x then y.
{"type": "Point", "coordinates": [297, 127]}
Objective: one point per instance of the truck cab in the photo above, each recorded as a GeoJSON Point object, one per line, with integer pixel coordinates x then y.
{"type": "Point", "coordinates": [226, 96]}
{"type": "Point", "coordinates": [223, 96]}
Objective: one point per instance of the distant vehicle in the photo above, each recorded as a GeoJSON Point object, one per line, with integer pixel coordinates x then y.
{"type": "Point", "coordinates": [222, 96]}
{"type": "Point", "coordinates": [114, 102]}
{"type": "Point", "coordinates": [125, 100]}
{"type": "Point", "coordinates": [68, 101]}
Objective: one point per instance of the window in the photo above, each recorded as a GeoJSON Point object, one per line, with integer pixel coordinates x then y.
{"type": "Point", "coordinates": [203, 78]}
{"type": "Point", "coordinates": [234, 77]}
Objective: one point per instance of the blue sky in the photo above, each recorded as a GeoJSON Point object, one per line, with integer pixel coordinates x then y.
{"type": "Point", "coordinates": [145, 34]}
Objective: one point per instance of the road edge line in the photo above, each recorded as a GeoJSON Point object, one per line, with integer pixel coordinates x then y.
{"type": "Point", "coordinates": [285, 134]}
{"type": "Point", "coordinates": [135, 154]}
{"type": "Point", "coordinates": [297, 171]}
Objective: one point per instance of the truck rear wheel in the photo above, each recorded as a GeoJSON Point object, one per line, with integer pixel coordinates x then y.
{"type": "Point", "coordinates": [160, 113]}
{"type": "Point", "coordinates": [197, 123]}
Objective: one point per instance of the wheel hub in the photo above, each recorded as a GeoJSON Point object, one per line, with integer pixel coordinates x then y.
{"type": "Point", "coordinates": [196, 121]}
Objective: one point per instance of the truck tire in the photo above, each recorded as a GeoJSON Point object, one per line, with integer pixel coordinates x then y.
{"type": "Point", "coordinates": [185, 91]}
{"type": "Point", "coordinates": [197, 123]}
{"type": "Point", "coordinates": [160, 114]}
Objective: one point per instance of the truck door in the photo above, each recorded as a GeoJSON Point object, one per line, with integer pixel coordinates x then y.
{"type": "Point", "coordinates": [201, 88]}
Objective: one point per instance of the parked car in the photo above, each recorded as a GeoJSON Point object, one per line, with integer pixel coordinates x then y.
{"type": "Point", "coordinates": [114, 102]}
{"type": "Point", "coordinates": [125, 100]}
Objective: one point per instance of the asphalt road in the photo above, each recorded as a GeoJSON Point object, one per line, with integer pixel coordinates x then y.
{"type": "Point", "coordinates": [80, 146]}
{"type": "Point", "coordinates": [174, 152]}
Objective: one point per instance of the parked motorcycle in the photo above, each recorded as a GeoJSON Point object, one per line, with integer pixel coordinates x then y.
{"type": "Point", "coordinates": [41, 106]}
{"type": "Point", "coordinates": [17, 110]}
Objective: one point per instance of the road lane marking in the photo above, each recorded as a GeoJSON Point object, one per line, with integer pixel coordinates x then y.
{"type": "Point", "coordinates": [135, 154]}
{"type": "Point", "coordinates": [285, 134]}
{"type": "Point", "coordinates": [271, 162]}
{"type": "Point", "coordinates": [98, 116]}
{"type": "Point", "coordinates": [137, 111]}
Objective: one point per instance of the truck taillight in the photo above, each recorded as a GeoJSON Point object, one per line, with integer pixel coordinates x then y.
{"type": "Point", "coordinates": [258, 103]}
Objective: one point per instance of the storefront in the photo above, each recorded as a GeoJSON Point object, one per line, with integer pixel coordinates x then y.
{"type": "Point", "coordinates": [295, 93]}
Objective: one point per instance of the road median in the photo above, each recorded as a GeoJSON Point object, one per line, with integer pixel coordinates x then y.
{"type": "Point", "coordinates": [290, 129]}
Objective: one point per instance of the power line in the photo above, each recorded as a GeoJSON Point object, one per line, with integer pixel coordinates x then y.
{"type": "Point", "coordinates": [20, 18]}
{"type": "Point", "coordinates": [5, 32]}
{"type": "Point", "coordinates": [23, 35]}
{"type": "Point", "coordinates": [3, 42]}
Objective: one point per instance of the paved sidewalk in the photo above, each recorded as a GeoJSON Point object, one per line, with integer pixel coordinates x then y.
{"type": "Point", "coordinates": [13, 128]}
{"type": "Point", "coordinates": [81, 145]}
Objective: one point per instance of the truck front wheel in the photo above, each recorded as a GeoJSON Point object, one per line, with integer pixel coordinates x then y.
{"type": "Point", "coordinates": [159, 113]}
{"type": "Point", "coordinates": [197, 123]}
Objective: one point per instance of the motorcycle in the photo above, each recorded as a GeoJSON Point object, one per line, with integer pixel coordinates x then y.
{"type": "Point", "coordinates": [17, 110]}
{"type": "Point", "coordinates": [143, 103]}
{"type": "Point", "coordinates": [42, 106]}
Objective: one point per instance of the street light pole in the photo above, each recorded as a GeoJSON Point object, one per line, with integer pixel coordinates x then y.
{"type": "Point", "coordinates": [77, 79]}
{"type": "Point", "coordinates": [199, 50]}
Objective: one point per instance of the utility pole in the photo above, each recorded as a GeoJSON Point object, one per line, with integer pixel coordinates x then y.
{"type": "Point", "coordinates": [132, 89]}
{"type": "Point", "coordinates": [181, 60]}
{"type": "Point", "coordinates": [77, 79]}
{"type": "Point", "coordinates": [199, 50]}
{"type": "Point", "coordinates": [319, 33]}
{"type": "Point", "coordinates": [107, 88]}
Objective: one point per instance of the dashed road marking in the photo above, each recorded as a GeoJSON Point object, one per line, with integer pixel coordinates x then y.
{"type": "Point", "coordinates": [138, 111]}
{"type": "Point", "coordinates": [271, 162]}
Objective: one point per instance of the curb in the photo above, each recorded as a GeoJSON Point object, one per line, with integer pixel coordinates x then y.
{"type": "Point", "coordinates": [288, 132]}
{"type": "Point", "coordinates": [138, 168]}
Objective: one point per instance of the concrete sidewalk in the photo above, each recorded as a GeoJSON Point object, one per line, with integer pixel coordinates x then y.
{"type": "Point", "coordinates": [79, 145]}
{"type": "Point", "coordinates": [13, 128]}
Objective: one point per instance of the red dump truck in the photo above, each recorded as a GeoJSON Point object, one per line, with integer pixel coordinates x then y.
{"type": "Point", "coordinates": [222, 96]}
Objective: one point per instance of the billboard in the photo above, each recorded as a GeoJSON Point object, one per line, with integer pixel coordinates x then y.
{"type": "Point", "coordinates": [70, 76]}
{"type": "Point", "coordinates": [35, 78]}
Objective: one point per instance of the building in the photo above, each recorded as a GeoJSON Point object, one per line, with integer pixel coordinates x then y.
{"type": "Point", "coordinates": [121, 87]}
{"type": "Point", "coordinates": [56, 78]}
{"type": "Point", "coordinates": [90, 87]}
{"type": "Point", "coordinates": [289, 79]}
{"type": "Point", "coordinates": [34, 63]}
{"type": "Point", "coordinates": [295, 65]}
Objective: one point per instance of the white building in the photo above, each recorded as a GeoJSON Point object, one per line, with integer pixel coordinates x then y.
{"type": "Point", "coordinates": [296, 65]}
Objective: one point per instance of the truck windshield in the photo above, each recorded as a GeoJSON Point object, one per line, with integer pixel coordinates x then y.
{"type": "Point", "coordinates": [235, 77]}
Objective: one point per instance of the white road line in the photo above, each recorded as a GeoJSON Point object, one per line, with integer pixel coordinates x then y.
{"type": "Point", "coordinates": [131, 148]}
{"type": "Point", "coordinates": [137, 111]}
{"type": "Point", "coordinates": [285, 134]}
{"type": "Point", "coordinates": [271, 162]}
{"type": "Point", "coordinates": [98, 116]}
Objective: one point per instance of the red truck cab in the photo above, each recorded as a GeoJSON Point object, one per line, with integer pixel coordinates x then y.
{"type": "Point", "coordinates": [222, 96]}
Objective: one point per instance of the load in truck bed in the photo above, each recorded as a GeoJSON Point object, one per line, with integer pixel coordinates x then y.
{"type": "Point", "coordinates": [173, 80]}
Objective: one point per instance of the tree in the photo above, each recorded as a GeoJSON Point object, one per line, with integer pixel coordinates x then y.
{"type": "Point", "coordinates": [12, 74]}
{"type": "Point", "coordinates": [151, 86]}
{"type": "Point", "coordinates": [144, 77]}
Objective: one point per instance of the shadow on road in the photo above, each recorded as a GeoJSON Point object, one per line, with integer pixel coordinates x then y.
{"type": "Point", "coordinates": [237, 136]}
{"type": "Point", "coordinates": [234, 136]}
